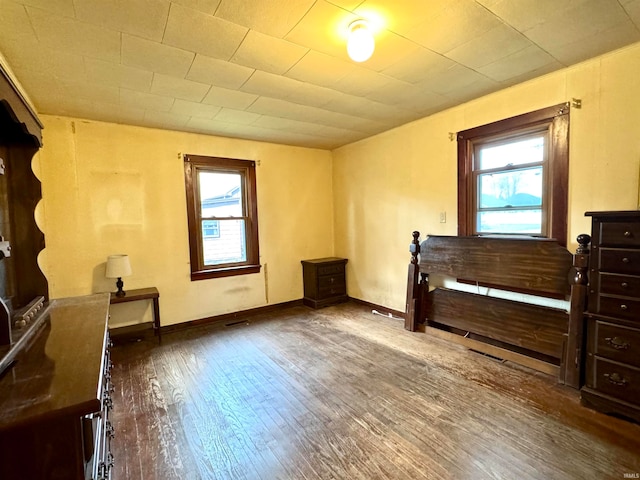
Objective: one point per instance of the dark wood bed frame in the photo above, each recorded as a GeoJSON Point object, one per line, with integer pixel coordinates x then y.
{"type": "Point", "coordinates": [543, 338]}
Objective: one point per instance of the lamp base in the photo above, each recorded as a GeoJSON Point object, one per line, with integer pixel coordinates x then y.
{"type": "Point", "coordinates": [120, 284]}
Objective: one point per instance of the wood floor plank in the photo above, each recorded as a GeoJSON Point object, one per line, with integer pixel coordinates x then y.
{"type": "Point", "coordinates": [340, 393]}
{"type": "Point", "coordinates": [333, 405]}
{"type": "Point", "coordinates": [304, 421]}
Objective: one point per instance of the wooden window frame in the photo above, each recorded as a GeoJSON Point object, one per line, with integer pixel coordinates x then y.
{"type": "Point", "coordinates": [555, 191]}
{"type": "Point", "coordinates": [247, 169]}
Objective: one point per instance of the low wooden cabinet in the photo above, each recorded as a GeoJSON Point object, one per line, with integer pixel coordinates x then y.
{"type": "Point", "coordinates": [325, 281]}
{"type": "Point", "coordinates": [612, 382]}
{"type": "Point", "coordinates": [55, 402]}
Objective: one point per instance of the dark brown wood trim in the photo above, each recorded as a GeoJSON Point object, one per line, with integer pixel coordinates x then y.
{"type": "Point", "coordinates": [190, 190]}
{"type": "Point", "coordinates": [378, 308]}
{"type": "Point", "coordinates": [247, 167]}
{"type": "Point", "coordinates": [229, 318]}
{"type": "Point", "coordinates": [19, 108]}
{"type": "Point", "coordinates": [516, 123]}
{"type": "Point", "coordinates": [557, 117]}
{"type": "Point", "coordinates": [559, 199]}
{"type": "Point", "coordinates": [225, 272]}
{"type": "Point", "coordinates": [464, 196]}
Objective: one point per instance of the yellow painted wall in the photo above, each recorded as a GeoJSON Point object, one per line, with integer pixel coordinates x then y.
{"type": "Point", "coordinates": [120, 189]}
{"type": "Point", "coordinates": [399, 181]}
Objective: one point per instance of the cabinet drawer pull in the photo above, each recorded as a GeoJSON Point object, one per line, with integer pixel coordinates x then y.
{"type": "Point", "coordinates": [617, 343]}
{"type": "Point", "coordinates": [623, 307]}
{"type": "Point", "coordinates": [110, 431]}
{"type": "Point", "coordinates": [628, 234]}
{"type": "Point", "coordinates": [624, 285]}
{"type": "Point", "coordinates": [616, 379]}
{"type": "Point", "coordinates": [626, 260]}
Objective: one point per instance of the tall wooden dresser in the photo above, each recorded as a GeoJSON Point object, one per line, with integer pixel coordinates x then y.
{"type": "Point", "coordinates": [612, 382]}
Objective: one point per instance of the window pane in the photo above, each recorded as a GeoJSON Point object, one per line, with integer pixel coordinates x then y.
{"type": "Point", "coordinates": [220, 194]}
{"type": "Point", "coordinates": [512, 221]}
{"type": "Point", "coordinates": [514, 188]}
{"type": "Point", "coordinates": [228, 247]}
{"type": "Point", "coordinates": [520, 152]}
{"type": "Point", "coordinates": [210, 228]}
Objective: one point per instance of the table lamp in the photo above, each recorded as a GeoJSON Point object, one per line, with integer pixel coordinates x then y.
{"type": "Point", "coordinates": [118, 266]}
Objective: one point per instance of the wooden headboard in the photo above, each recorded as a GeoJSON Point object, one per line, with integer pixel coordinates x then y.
{"type": "Point", "coordinates": [541, 337]}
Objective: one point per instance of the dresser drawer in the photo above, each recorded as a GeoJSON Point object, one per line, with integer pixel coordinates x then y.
{"type": "Point", "coordinates": [615, 342]}
{"type": "Point", "coordinates": [616, 260]}
{"type": "Point", "coordinates": [621, 234]}
{"type": "Point", "coordinates": [619, 307]}
{"type": "Point", "coordinates": [625, 285]}
{"type": "Point", "coordinates": [615, 379]}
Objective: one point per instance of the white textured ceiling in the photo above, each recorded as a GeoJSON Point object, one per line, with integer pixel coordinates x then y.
{"type": "Point", "coordinates": [277, 70]}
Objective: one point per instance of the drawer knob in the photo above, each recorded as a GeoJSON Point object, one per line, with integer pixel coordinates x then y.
{"type": "Point", "coordinates": [616, 379]}
{"type": "Point", "coordinates": [617, 343]}
{"type": "Point", "coordinates": [625, 260]}
{"type": "Point", "coordinates": [623, 307]}
{"type": "Point", "coordinates": [624, 285]}
{"type": "Point", "coordinates": [110, 431]}
{"type": "Point", "coordinates": [628, 234]}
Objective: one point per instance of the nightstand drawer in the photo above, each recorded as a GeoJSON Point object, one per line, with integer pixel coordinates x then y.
{"type": "Point", "coordinates": [328, 281]}
{"type": "Point", "coordinates": [616, 342]}
{"type": "Point", "coordinates": [615, 379]}
{"type": "Point", "coordinates": [624, 285]}
{"type": "Point", "coordinates": [331, 285]}
{"type": "Point", "coordinates": [616, 260]}
{"type": "Point", "coordinates": [619, 307]}
{"type": "Point", "coordinates": [619, 234]}
{"type": "Point", "coordinates": [331, 269]}
{"type": "Point", "coordinates": [334, 291]}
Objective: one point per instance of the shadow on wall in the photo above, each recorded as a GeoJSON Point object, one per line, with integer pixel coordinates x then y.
{"type": "Point", "coordinates": [100, 283]}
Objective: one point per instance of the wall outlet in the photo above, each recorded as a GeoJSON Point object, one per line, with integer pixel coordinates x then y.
{"type": "Point", "coordinates": [443, 217]}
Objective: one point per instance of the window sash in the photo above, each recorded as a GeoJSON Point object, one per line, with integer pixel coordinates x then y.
{"type": "Point", "coordinates": [552, 122]}
{"type": "Point", "coordinates": [225, 255]}
{"type": "Point", "coordinates": [202, 266]}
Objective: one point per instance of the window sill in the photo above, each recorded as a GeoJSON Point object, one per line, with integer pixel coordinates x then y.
{"type": "Point", "coordinates": [225, 272]}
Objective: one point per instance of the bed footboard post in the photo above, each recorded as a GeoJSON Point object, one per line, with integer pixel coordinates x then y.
{"type": "Point", "coordinates": [412, 285]}
{"type": "Point", "coordinates": [571, 368]}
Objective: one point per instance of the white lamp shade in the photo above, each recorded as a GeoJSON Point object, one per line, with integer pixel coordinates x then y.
{"type": "Point", "coordinates": [361, 43]}
{"type": "Point", "coordinates": [118, 266]}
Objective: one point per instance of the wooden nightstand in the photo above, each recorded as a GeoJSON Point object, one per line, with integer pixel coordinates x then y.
{"type": "Point", "coordinates": [325, 281]}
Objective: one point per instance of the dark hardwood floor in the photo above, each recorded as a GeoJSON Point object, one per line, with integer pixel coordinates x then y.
{"type": "Point", "coordinates": [340, 393]}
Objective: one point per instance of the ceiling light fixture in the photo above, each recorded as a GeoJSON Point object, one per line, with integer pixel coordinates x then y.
{"type": "Point", "coordinates": [360, 44]}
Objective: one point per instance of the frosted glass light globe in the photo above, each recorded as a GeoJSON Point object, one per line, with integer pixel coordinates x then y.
{"type": "Point", "coordinates": [360, 44]}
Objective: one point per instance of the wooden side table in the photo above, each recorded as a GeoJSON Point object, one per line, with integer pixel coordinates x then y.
{"type": "Point", "coordinates": [324, 281]}
{"type": "Point", "coordinates": [150, 293]}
